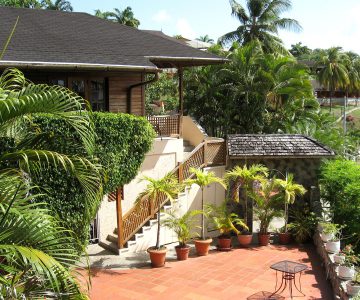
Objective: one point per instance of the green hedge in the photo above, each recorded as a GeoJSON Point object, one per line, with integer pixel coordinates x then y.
{"type": "Point", "coordinates": [121, 144]}
{"type": "Point", "coordinates": [341, 189]}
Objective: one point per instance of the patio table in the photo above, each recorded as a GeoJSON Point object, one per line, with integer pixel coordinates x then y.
{"type": "Point", "coordinates": [288, 270]}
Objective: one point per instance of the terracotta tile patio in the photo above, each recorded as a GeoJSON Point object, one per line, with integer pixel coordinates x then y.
{"type": "Point", "coordinates": [220, 275]}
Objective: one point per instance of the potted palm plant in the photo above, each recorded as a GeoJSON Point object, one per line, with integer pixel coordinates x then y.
{"type": "Point", "coordinates": [267, 206]}
{"type": "Point", "coordinates": [244, 177]}
{"type": "Point", "coordinates": [347, 267]}
{"type": "Point", "coordinates": [303, 224]}
{"type": "Point", "coordinates": [225, 221]}
{"type": "Point", "coordinates": [203, 179]}
{"type": "Point", "coordinates": [166, 187]}
{"type": "Point", "coordinates": [353, 286]}
{"type": "Point", "coordinates": [182, 226]}
{"type": "Point", "coordinates": [288, 191]}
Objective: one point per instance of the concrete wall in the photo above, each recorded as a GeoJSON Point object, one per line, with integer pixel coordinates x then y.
{"type": "Point", "coordinates": [192, 132]}
{"type": "Point", "coordinates": [107, 218]}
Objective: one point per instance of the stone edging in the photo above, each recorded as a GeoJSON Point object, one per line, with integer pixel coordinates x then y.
{"type": "Point", "coordinates": [338, 285]}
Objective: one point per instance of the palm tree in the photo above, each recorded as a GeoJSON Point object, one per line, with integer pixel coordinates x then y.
{"type": "Point", "coordinates": [290, 190]}
{"type": "Point", "coordinates": [35, 252]}
{"type": "Point", "coordinates": [166, 187]}
{"type": "Point", "coordinates": [62, 5]}
{"type": "Point", "coordinates": [245, 177]}
{"type": "Point", "coordinates": [203, 179]}
{"type": "Point", "coordinates": [333, 72]}
{"type": "Point", "coordinates": [261, 21]}
{"type": "Point", "coordinates": [205, 39]}
{"type": "Point", "coordinates": [125, 17]}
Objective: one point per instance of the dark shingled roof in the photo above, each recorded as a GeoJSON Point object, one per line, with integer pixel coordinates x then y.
{"type": "Point", "coordinates": [58, 39]}
{"type": "Point", "coordinates": [275, 145]}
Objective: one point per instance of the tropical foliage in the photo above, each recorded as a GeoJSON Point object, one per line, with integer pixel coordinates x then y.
{"type": "Point", "coordinates": [125, 17]}
{"type": "Point", "coordinates": [62, 5]}
{"type": "Point", "coordinates": [203, 179]}
{"type": "Point", "coordinates": [166, 187]}
{"type": "Point", "coordinates": [260, 20]}
{"type": "Point", "coordinates": [37, 254]}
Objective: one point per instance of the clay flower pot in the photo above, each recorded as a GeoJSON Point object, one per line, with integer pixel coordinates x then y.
{"type": "Point", "coordinates": [352, 289]}
{"type": "Point", "coordinates": [224, 243]}
{"type": "Point", "coordinates": [202, 247]}
{"type": "Point", "coordinates": [157, 257]}
{"type": "Point", "coordinates": [284, 238]}
{"type": "Point", "coordinates": [264, 239]}
{"type": "Point", "coordinates": [245, 240]}
{"type": "Point", "coordinates": [182, 252]}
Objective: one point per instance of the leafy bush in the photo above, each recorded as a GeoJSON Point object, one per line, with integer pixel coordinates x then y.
{"type": "Point", "coordinates": [340, 188]}
{"type": "Point", "coordinates": [121, 144]}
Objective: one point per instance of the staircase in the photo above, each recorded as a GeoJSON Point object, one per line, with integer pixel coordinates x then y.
{"type": "Point", "coordinates": [138, 224]}
{"type": "Point", "coordinates": [188, 149]}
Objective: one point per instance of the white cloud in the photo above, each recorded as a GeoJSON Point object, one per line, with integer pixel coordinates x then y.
{"type": "Point", "coordinates": [162, 16]}
{"type": "Point", "coordinates": [183, 28]}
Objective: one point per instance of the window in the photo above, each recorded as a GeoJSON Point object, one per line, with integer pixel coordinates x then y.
{"type": "Point", "coordinates": [97, 95]}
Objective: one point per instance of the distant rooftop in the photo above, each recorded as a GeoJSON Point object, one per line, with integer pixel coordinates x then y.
{"type": "Point", "coordinates": [275, 145]}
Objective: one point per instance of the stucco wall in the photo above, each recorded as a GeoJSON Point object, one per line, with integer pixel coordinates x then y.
{"type": "Point", "coordinates": [191, 132]}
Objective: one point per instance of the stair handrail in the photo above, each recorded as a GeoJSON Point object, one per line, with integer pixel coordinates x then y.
{"type": "Point", "coordinates": [199, 153]}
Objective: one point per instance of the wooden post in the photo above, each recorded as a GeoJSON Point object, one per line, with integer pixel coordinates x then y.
{"type": "Point", "coordinates": [181, 173]}
{"type": "Point", "coordinates": [205, 149]}
{"type": "Point", "coordinates": [181, 99]}
{"type": "Point", "coordinates": [120, 231]}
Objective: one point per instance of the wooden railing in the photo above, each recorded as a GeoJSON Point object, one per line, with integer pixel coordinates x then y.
{"type": "Point", "coordinates": [166, 125]}
{"type": "Point", "coordinates": [208, 153]}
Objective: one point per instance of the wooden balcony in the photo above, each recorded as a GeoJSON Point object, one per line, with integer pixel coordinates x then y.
{"type": "Point", "coordinates": [166, 126]}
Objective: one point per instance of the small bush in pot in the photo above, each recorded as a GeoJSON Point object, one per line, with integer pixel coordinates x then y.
{"type": "Point", "coordinates": [347, 267]}
{"type": "Point", "coordinates": [353, 286]}
{"type": "Point", "coordinates": [225, 221]}
{"type": "Point", "coordinates": [333, 244]}
{"type": "Point", "coordinates": [339, 258]}
{"type": "Point", "coordinates": [203, 179]}
{"type": "Point", "coordinates": [182, 226]}
{"type": "Point", "coordinates": [267, 207]}
{"type": "Point", "coordinates": [166, 187]}
{"type": "Point", "coordinates": [329, 231]}
{"type": "Point", "coordinates": [289, 189]}
{"type": "Point", "coordinates": [303, 225]}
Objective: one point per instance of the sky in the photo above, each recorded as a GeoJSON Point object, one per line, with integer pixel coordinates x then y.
{"type": "Point", "coordinates": [326, 23]}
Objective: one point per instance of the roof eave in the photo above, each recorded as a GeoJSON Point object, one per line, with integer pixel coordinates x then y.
{"type": "Point", "coordinates": [76, 66]}
{"type": "Point", "coordinates": [234, 157]}
{"type": "Point", "coordinates": [187, 61]}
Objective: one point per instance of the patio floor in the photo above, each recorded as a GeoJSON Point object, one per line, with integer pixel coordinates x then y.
{"type": "Point", "coordinates": [220, 275]}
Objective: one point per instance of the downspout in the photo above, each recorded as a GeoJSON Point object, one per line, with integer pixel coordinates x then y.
{"type": "Point", "coordinates": [131, 87]}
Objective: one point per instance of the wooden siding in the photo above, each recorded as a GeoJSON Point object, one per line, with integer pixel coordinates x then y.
{"type": "Point", "coordinates": [118, 87]}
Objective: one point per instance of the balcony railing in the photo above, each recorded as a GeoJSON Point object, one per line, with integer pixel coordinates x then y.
{"type": "Point", "coordinates": [169, 125]}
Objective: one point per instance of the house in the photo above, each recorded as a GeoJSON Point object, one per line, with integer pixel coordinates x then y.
{"type": "Point", "coordinates": [109, 65]}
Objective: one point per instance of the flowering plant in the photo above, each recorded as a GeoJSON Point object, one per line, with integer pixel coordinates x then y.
{"type": "Point", "coordinates": [351, 258]}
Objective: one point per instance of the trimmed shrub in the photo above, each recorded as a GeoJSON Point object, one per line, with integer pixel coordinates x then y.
{"type": "Point", "coordinates": [121, 144]}
{"type": "Point", "coordinates": [340, 188]}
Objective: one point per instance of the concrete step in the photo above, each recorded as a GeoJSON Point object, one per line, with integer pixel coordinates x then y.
{"type": "Point", "coordinates": [111, 246]}
{"type": "Point", "coordinates": [186, 143]}
{"type": "Point", "coordinates": [188, 148]}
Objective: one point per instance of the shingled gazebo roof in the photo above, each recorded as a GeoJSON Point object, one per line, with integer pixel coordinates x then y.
{"type": "Point", "coordinates": [275, 146]}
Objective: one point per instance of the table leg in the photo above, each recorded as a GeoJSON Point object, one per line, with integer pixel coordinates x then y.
{"type": "Point", "coordinates": [282, 286]}
{"type": "Point", "coordinates": [299, 290]}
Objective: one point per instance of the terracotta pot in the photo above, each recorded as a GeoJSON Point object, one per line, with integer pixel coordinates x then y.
{"type": "Point", "coordinates": [284, 238]}
{"type": "Point", "coordinates": [157, 257]}
{"type": "Point", "coordinates": [352, 289]}
{"type": "Point", "coordinates": [224, 242]}
{"type": "Point", "coordinates": [182, 252]}
{"type": "Point", "coordinates": [264, 239]}
{"type": "Point", "coordinates": [202, 247]}
{"type": "Point", "coordinates": [245, 240]}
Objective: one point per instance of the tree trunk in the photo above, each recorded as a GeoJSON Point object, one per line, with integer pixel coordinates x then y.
{"type": "Point", "coordinates": [202, 215]}
{"type": "Point", "coordinates": [158, 232]}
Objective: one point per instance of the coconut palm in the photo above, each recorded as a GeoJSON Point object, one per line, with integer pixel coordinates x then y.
{"type": "Point", "coordinates": [62, 5]}
{"type": "Point", "coordinates": [260, 20]}
{"type": "Point", "coordinates": [203, 179]}
{"type": "Point", "coordinates": [125, 17]}
{"type": "Point", "coordinates": [102, 14]}
{"type": "Point", "coordinates": [332, 69]}
{"type": "Point", "coordinates": [205, 39]}
{"type": "Point", "coordinates": [290, 190]}
{"type": "Point", "coordinates": [245, 177]}
{"type": "Point", "coordinates": [36, 254]}
{"type": "Point", "coordinates": [166, 187]}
